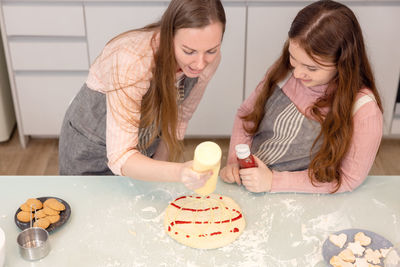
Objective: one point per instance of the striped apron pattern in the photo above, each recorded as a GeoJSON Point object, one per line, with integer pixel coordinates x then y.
{"type": "Point", "coordinates": [285, 136]}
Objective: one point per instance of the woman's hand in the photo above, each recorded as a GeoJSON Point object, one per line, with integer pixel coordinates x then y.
{"type": "Point", "coordinates": [191, 179]}
{"type": "Point", "coordinates": [230, 174]}
{"type": "Point", "coordinates": [257, 179]}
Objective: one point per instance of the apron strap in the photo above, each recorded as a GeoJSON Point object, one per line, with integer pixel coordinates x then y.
{"type": "Point", "coordinates": [361, 101]}
{"type": "Point", "coordinates": [283, 82]}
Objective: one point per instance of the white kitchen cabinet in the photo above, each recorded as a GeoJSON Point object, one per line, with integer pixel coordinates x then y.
{"type": "Point", "coordinates": [267, 28]}
{"type": "Point", "coordinates": [47, 59]}
{"type": "Point", "coordinates": [381, 28]}
{"type": "Point", "coordinates": [106, 20]}
{"type": "Point", "coordinates": [395, 130]}
{"type": "Point", "coordinates": [44, 97]}
{"type": "Point", "coordinates": [49, 55]}
{"type": "Point", "coordinates": [268, 25]}
{"type": "Point", "coordinates": [224, 93]}
{"type": "Point", "coordinates": [49, 46]}
{"type": "Point", "coordinates": [7, 113]}
{"type": "Point", "coordinates": [35, 19]}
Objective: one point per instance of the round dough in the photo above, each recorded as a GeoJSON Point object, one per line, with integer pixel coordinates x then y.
{"type": "Point", "coordinates": [204, 222]}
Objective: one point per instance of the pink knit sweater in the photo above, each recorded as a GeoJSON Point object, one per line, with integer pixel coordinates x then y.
{"type": "Point", "coordinates": [368, 123]}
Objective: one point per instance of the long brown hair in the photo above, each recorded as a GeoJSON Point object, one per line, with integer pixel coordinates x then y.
{"type": "Point", "coordinates": [159, 108]}
{"type": "Point", "coordinates": [329, 31]}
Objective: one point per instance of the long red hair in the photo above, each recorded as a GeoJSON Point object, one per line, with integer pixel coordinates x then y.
{"type": "Point", "coordinates": [329, 31]}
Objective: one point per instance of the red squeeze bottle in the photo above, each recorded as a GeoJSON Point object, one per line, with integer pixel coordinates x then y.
{"type": "Point", "coordinates": [244, 157]}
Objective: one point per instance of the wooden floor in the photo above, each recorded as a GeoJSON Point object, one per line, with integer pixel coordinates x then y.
{"type": "Point", "coordinates": [41, 156]}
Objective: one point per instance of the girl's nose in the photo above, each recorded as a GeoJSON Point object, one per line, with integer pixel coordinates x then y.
{"type": "Point", "coordinates": [299, 73]}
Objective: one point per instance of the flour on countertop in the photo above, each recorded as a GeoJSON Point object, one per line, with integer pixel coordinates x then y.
{"type": "Point", "coordinates": [150, 209]}
{"type": "Point", "coordinates": [304, 229]}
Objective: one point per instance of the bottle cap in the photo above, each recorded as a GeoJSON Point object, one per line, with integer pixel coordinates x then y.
{"type": "Point", "coordinates": [207, 154]}
{"type": "Point", "coordinates": [242, 151]}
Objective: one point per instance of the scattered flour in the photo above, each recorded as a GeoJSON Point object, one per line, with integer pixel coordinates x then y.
{"type": "Point", "coordinates": [149, 209]}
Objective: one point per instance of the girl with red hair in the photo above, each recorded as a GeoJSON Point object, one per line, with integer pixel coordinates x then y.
{"type": "Point", "coordinates": [314, 123]}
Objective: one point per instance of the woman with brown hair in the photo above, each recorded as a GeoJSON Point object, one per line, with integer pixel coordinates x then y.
{"type": "Point", "coordinates": [132, 113]}
{"type": "Point", "coordinates": [314, 123]}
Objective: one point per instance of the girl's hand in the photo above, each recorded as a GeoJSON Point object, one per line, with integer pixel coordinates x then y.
{"type": "Point", "coordinates": [191, 179]}
{"type": "Point", "coordinates": [257, 179]}
{"type": "Point", "coordinates": [230, 174]}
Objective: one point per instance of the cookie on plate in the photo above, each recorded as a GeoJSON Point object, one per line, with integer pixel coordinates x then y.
{"type": "Point", "coordinates": [54, 204]}
{"type": "Point", "coordinates": [356, 248]}
{"type": "Point", "coordinates": [42, 223]}
{"type": "Point", "coordinates": [347, 255]}
{"type": "Point", "coordinates": [336, 261]}
{"type": "Point", "coordinates": [24, 216]}
{"type": "Point", "coordinates": [362, 238]}
{"type": "Point", "coordinates": [338, 240]}
{"type": "Point", "coordinates": [40, 214]}
{"type": "Point", "coordinates": [53, 218]}
{"type": "Point", "coordinates": [373, 256]}
{"type": "Point", "coordinates": [50, 211]}
{"type": "Point", "coordinates": [31, 204]}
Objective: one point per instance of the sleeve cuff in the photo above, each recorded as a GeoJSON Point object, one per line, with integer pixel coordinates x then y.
{"type": "Point", "coordinates": [116, 166]}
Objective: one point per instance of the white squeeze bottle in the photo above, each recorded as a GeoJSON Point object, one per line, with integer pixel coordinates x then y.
{"type": "Point", "coordinates": [207, 156]}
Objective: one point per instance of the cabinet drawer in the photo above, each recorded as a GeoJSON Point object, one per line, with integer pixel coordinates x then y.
{"type": "Point", "coordinates": [44, 98]}
{"type": "Point", "coordinates": [49, 55]}
{"type": "Point", "coordinates": [116, 18]}
{"type": "Point", "coordinates": [44, 19]}
{"type": "Point", "coordinates": [395, 126]}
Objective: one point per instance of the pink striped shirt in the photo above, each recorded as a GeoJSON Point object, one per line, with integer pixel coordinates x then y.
{"type": "Point", "coordinates": [127, 61]}
{"type": "Point", "coordinates": [368, 124]}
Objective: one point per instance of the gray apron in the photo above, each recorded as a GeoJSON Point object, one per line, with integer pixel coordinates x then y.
{"type": "Point", "coordinates": [82, 143]}
{"type": "Point", "coordinates": [285, 136]}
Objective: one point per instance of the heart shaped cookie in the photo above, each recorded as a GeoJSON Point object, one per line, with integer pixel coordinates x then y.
{"type": "Point", "coordinates": [336, 261]}
{"type": "Point", "coordinates": [338, 240]}
{"type": "Point", "coordinates": [347, 255]}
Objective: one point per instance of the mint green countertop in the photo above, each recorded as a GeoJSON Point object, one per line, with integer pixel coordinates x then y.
{"type": "Point", "coordinates": [117, 221]}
